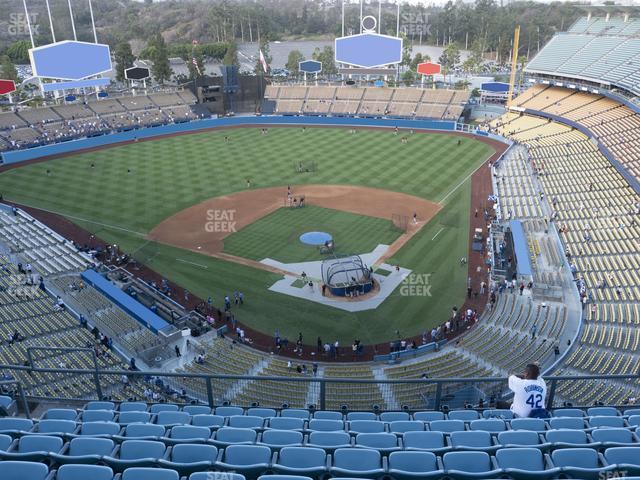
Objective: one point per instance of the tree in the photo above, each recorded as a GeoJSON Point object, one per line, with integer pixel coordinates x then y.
{"type": "Point", "coordinates": [294, 58]}
{"type": "Point", "coordinates": [264, 48]}
{"type": "Point", "coordinates": [450, 58]}
{"type": "Point", "coordinates": [409, 77]}
{"type": "Point", "coordinates": [231, 55]}
{"type": "Point", "coordinates": [124, 59]}
{"type": "Point", "coordinates": [417, 60]}
{"type": "Point", "coordinates": [8, 71]}
{"type": "Point", "coordinates": [407, 49]}
{"type": "Point", "coordinates": [18, 51]}
{"type": "Point", "coordinates": [327, 57]}
{"type": "Point", "coordinates": [161, 68]}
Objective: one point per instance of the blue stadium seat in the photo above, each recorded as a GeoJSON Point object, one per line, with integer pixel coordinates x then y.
{"type": "Point", "coordinates": [584, 463]}
{"type": "Point", "coordinates": [308, 461]}
{"type": "Point", "coordinates": [464, 415]}
{"type": "Point", "coordinates": [568, 412]}
{"type": "Point", "coordinates": [383, 442]}
{"type": "Point", "coordinates": [469, 465]}
{"type": "Point", "coordinates": [624, 458]}
{"type": "Point", "coordinates": [532, 424]}
{"type": "Point", "coordinates": [99, 429]}
{"type": "Point", "coordinates": [136, 453]}
{"type": "Point", "coordinates": [276, 439]}
{"type": "Point", "coordinates": [33, 448]}
{"type": "Point", "coordinates": [286, 423]}
{"type": "Point", "coordinates": [207, 476]}
{"type": "Point", "coordinates": [616, 422]}
{"type": "Point", "coordinates": [566, 438]}
{"type": "Point", "coordinates": [98, 416]}
{"type": "Point", "coordinates": [431, 441]}
{"type": "Point", "coordinates": [403, 426]}
{"type": "Point", "coordinates": [187, 434]}
{"type": "Point", "coordinates": [634, 421]}
{"type": "Point", "coordinates": [429, 416]}
{"type": "Point", "coordinates": [84, 472]}
{"type": "Point", "coordinates": [629, 412]}
{"type": "Point", "coordinates": [55, 427]}
{"type": "Point", "coordinates": [85, 450]}
{"type": "Point", "coordinates": [602, 412]}
{"type": "Point", "coordinates": [414, 465]}
{"type": "Point", "coordinates": [172, 418]}
{"type": "Point", "coordinates": [197, 409]}
{"type": "Point", "coordinates": [133, 407]}
{"type": "Point", "coordinates": [5, 442]}
{"type": "Point", "coordinates": [472, 440]}
{"type": "Point", "coordinates": [229, 411]}
{"type": "Point", "coordinates": [521, 438]}
{"type": "Point", "coordinates": [351, 416]}
{"type": "Point", "coordinates": [574, 423]}
{"type": "Point", "coordinates": [249, 460]}
{"type": "Point", "coordinates": [134, 417]}
{"type": "Point", "coordinates": [615, 437]}
{"type": "Point", "coordinates": [446, 426]}
{"type": "Point", "coordinates": [60, 414]}
{"type": "Point", "coordinates": [525, 463]}
{"type": "Point", "coordinates": [144, 431]}
{"type": "Point", "coordinates": [353, 462]}
{"type": "Point", "coordinates": [164, 407]}
{"type": "Point", "coordinates": [99, 405]}
{"type": "Point", "coordinates": [295, 413]}
{"type": "Point", "coordinates": [16, 470]}
{"type": "Point", "coordinates": [211, 421]}
{"type": "Point", "coordinates": [142, 473]}
{"type": "Point", "coordinates": [234, 436]}
{"type": "Point", "coordinates": [366, 426]}
{"type": "Point", "coordinates": [189, 458]}
{"type": "Point", "coordinates": [490, 425]}
{"type": "Point", "coordinates": [503, 413]}
{"type": "Point", "coordinates": [395, 417]}
{"type": "Point", "coordinates": [261, 412]}
{"type": "Point", "coordinates": [329, 441]}
{"type": "Point", "coordinates": [320, 425]}
{"type": "Point", "coordinates": [246, 421]}
{"type": "Point", "coordinates": [328, 415]}
{"type": "Point", "coordinates": [15, 426]}
{"type": "Point", "coordinates": [281, 477]}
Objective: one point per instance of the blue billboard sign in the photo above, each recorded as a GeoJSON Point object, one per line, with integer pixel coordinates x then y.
{"type": "Point", "coordinates": [368, 50]}
{"type": "Point", "coordinates": [70, 60]}
{"type": "Point", "coordinates": [310, 66]}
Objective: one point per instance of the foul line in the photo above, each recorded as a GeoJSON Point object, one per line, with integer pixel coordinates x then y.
{"type": "Point", "coordinates": [106, 225]}
{"type": "Point", "coordinates": [434, 237]}
{"type": "Point", "coordinates": [191, 263]}
{"type": "Point", "coordinates": [466, 178]}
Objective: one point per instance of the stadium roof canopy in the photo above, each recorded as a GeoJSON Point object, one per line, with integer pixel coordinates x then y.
{"type": "Point", "coordinates": [596, 50]}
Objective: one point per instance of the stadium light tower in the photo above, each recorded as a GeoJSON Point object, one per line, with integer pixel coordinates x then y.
{"type": "Point", "coordinates": [514, 65]}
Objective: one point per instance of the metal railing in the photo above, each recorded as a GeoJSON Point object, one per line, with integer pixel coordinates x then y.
{"type": "Point", "coordinates": [328, 393]}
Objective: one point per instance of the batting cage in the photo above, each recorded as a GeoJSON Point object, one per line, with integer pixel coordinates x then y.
{"type": "Point", "coordinates": [400, 222]}
{"type": "Point", "coordinates": [346, 276]}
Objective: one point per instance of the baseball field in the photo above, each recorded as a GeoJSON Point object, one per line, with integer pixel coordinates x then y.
{"type": "Point", "coordinates": [157, 200]}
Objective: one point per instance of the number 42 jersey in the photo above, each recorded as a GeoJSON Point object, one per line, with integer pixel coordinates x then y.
{"type": "Point", "coordinates": [528, 395]}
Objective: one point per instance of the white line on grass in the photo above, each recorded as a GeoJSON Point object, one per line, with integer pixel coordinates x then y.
{"type": "Point", "coordinates": [106, 225]}
{"type": "Point", "coordinates": [466, 178]}
{"type": "Point", "coordinates": [191, 263]}
{"type": "Point", "coordinates": [434, 237]}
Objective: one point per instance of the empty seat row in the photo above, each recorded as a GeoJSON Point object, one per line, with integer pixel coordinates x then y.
{"type": "Point", "coordinates": [255, 460]}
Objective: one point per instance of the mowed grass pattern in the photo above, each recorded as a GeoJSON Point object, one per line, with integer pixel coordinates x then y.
{"type": "Point", "coordinates": [168, 175]}
{"type": "Point", "coordinates": [277, 235]}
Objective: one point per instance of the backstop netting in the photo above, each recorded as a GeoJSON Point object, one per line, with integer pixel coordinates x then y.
{"type": "Point", "coordinates": [400, 222]}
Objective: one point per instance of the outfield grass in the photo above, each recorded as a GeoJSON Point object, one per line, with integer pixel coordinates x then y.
{"type": "Point", "coordinates": [168, 175]}
{"type": "Point", "coordinates": [277, 235]}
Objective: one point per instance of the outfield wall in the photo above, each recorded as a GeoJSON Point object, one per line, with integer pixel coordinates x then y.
{"type": "Point", "coordinates": [197, 125]}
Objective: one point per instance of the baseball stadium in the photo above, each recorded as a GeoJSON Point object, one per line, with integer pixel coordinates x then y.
{"type": "Point", "coordinates": [340, 272]}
